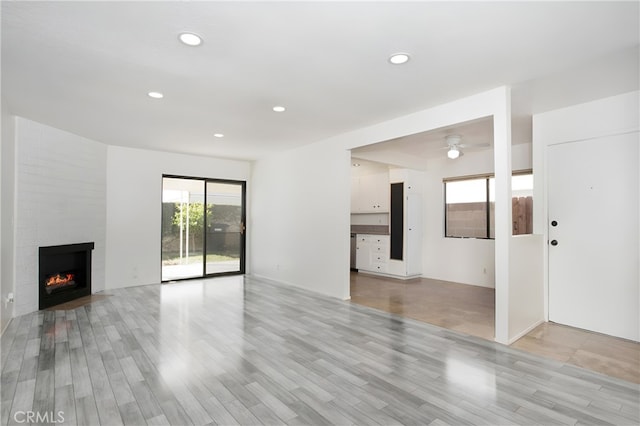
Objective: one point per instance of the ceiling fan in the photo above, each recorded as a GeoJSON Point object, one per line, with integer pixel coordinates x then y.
{"type": "Point", "coordinates": [454, 144]}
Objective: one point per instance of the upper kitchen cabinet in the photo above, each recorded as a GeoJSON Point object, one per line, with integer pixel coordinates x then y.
{"type": "Point", "coordinates": [370, 193]}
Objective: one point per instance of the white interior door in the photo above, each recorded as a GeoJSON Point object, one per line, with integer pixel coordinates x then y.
{"type": "Point", "coordinates": [593, 189]}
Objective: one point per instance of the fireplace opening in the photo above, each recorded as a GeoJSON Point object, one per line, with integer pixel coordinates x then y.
{"type": "Point", "coordinates": [59, 281]}
{"type": "Point", "coordinates": [65, 273]}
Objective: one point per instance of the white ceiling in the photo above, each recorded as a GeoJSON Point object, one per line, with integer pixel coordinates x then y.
{"type": "Point", "coordinates": [86, 66]}
{"type": "Point", "coordinates": [476, 135]}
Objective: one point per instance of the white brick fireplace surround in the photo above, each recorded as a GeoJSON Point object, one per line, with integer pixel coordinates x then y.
{"type": "Point", "coordinates": [60, 199]}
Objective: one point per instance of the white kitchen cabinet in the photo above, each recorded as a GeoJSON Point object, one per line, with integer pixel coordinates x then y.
{"type": "Point", "coordinates": [372, 253]}
{"type": "Point", "coordinates": [398, 255]}
{"type": "Point", "coordinates": [406, 240]}
{"type": "Point", "coordinates": [363, 252]}
{"type": "Point", "coordinates": [370, 193]}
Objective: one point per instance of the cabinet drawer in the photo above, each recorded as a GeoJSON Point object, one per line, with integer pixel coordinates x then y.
{"type": "Point", "coordinates": [380, 239]}
{"type": "Point", "coordinates": [379, 258]}
{"type": "Point", "coordinates": [372, 239]}
{"type": "Point", "coordinates": [380, 249]}
{"type": "Point", "coordinates": [363, 238]}
{"type": "Point", "coordinates": [379, 267]}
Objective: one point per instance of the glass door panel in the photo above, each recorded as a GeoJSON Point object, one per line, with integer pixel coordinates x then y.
{"type": "Point", "coordinates": [224, 243]}
{"type": "Point", "coordinates": [182, 228]}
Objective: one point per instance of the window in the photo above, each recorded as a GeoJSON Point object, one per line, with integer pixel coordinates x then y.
{"type": "Point", "coordinates": [470, 206]}
{"type": "Point", "coordinates": [466, 208]}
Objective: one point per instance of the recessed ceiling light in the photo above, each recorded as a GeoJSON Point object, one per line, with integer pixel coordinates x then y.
{"type": "Point", "coordinates": [279, 109]}
{"type": "Point", "coordinates": [356, 164]}
{"type": "Point", "coordinates": [399, 58]}
{"type": "Point", "coordinates": [218, 135]}
{"type": "Point", "coordinates": [190, 39]}
{"type": "Point", "coordinates": [155, 95]}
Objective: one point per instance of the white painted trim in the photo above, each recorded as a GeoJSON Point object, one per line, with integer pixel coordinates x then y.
{"type": "Point", "coordinates": [6, 326]}
{"type": "Point", "coordinates": [290, 284]}
{"type": "Point", "coordinates": [525, 332]}
{"type": "Point", "coordinates": [624, 122]}
{"type": "Point", "coordinates": [396, 277]}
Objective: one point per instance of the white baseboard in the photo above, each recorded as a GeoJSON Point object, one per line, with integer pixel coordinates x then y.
{"type": "Point", "coordinates": [6, 326]}
{"type": "Point", "coordinates": [290, 284]}
{"type": "Point", "coordinates": [525, 332]}
{"type": "Point", "coordinates": [383, 275]}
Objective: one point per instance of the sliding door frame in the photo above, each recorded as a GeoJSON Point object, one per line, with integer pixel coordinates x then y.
{"type": "Point", "coordinates": [243, 227]}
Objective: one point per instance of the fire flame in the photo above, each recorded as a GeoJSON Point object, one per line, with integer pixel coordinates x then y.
{"type": "Point", "coordinates": [59, 280]}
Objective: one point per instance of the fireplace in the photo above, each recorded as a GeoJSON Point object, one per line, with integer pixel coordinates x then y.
{"type": "Point", "coordinates": [65, 273]}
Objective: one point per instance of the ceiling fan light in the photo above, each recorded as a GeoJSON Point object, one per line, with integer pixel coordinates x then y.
{"type": "Point", "coordinates": [453, 153]}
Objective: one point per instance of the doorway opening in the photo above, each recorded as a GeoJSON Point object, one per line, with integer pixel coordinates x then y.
{"type": "Point", "coordinates": [203, 227]}
{"type": "Point", "coordinates": [456, 271]}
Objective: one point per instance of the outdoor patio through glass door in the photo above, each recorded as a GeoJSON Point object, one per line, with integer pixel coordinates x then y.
{"type": "Point", "coordinates": [202, 227]}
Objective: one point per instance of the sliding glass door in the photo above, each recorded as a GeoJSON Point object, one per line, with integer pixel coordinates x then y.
{"type": "Point", "coordinates": [182, 220]}
{"type": "Point", "coordinates": [202, 227]}
{"type": "Point", "coordinates": [225, 227]}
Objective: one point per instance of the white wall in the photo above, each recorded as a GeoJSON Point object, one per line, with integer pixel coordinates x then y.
{"type": "Point", "coordinates": [301, 199]}
{"type": "Point", "coordinates": [300, 218]}
{"type": "Point", "coordinates": [526, 302]}
{"type": "Point", "coordinates": [60, 199]}
{"type": "Point", "coordinates": [134, 194]}
{"type": "Point", "coordinates": [608, 116]}
{"type": "Point", "coordinates": [7, 191]}
{"type": "Point", "coordinates": [467, 261]}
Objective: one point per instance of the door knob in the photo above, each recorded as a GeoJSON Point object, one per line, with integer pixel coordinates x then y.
{"type": "Point", "coordinates": [554, 242]}
{"type": "Point", "coordinates": [554, 223]}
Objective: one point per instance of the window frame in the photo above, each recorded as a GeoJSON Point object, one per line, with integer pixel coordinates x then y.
{"type": "Point", "coordinates": [243, 238]}
{"type": "Point", "coordinates": [486, 177]}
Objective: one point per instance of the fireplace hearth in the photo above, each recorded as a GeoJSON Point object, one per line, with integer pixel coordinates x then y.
{"type": "Point", "coordinates": [65, 273]}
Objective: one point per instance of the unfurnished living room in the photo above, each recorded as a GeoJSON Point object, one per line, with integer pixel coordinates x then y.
{"type": "Point", "coordinates": [320, 213]}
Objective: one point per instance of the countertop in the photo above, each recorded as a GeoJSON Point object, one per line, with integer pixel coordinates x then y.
{"type": "Point", "coordinates": [370, 229]}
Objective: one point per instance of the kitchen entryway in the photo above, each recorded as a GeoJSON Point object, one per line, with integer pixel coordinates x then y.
{"type": "Point", "coordinates": [469, 309]}
{"type": "Point", "coordinates": [460, 307]}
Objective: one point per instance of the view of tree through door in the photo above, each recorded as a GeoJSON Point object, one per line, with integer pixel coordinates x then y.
{"type": "Point", "coordinates": [225, 227]}
{"type": "Point", "coordinates": [202, 227]}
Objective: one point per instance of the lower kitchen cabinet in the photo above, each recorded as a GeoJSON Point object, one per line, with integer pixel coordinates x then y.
{"type": "Point", "coordinates": [372, 253]}
{"type": "Point", "coordinates": [398, 255]}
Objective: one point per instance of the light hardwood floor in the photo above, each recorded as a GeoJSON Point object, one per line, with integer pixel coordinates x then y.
{"type": "Point", "coordinates": [470, 310]}
{"type": "Point", "coordinates": [241, 350]}
{"type": "Point", "coordinates": [465, 308]}
{"type": "Point", "coordinates": [598, 352]}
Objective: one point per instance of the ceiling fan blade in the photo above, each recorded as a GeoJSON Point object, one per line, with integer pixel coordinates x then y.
{"type": "Point", "coordinates": [474, 145]}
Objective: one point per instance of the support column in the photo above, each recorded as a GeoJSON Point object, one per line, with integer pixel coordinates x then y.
{"type": "Point", "coordinates": [502, 168]}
